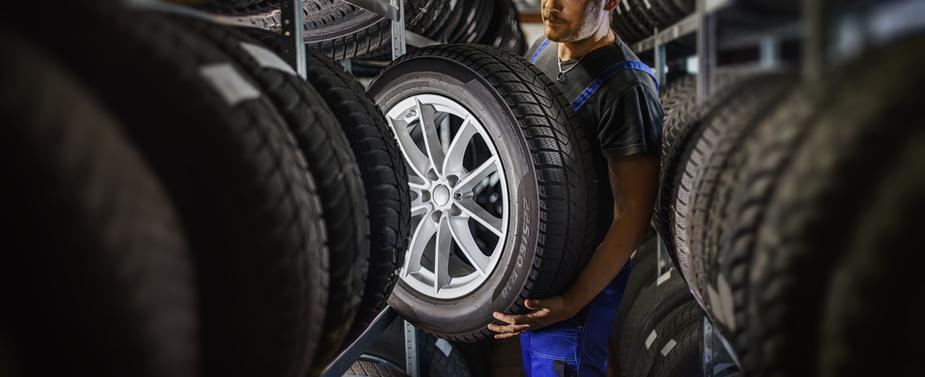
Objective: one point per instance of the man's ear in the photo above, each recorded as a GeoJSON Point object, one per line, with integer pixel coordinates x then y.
{"type": "Point", "coordinates": [610, 5]}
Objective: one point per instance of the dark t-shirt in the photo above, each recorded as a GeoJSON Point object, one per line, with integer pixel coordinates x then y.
{"type": "Point", "coordinates": [624, 109]}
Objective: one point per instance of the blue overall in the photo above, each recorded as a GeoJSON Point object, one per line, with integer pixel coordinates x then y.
{"type": "Point", "coordinates": [578, 346]}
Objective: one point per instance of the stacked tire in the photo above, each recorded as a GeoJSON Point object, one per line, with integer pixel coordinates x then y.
{"type": "Point", "coordinates": [635, 20]}
{"type": "Point", "coordinates": [222, 205]}
{"type": "Point", "coordinates": [760, 221]}
{"type": "Point", "coordinates": [657, 330]}
{"type": "Point", "coordinates": [343, 31]}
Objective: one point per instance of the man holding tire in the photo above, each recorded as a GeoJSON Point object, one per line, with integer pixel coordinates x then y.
{"type": "Point", "coordinates": [616, 98]}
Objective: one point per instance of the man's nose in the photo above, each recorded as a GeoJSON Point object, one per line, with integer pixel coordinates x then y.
{"type": "Point", "coordinates": [552, 6]}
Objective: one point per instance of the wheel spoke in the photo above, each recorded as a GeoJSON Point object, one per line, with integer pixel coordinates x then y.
{"type": "Point", "coordinates": [426, 115]}
{"type": "Point", "coordinates": [416, 159]}
{"type": "Point", "coordinates": [475, 211]}
{"type": "Point", "coordinates": [459, 226]}
{"type": "Point", "coordinates": [422, 235]}
{"type": "Point", "coordinates": [468, 182]}
{"type": "Point", "coordinates": [442, 255]}
{"type": "Point", "coordinates": [452, 164]}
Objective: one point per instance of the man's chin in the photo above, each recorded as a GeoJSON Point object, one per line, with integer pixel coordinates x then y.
{"type": "Point", "coordinates": [555, 34]}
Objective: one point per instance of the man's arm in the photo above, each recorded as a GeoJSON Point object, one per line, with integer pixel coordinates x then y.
{"type": "Point", "coordinates": [634, 182]}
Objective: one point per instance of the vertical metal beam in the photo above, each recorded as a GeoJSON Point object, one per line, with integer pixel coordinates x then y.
{"type": "Point", "coordinates": [707, 348]}
{"type": "Point", "coordinates": [706, 52]}
{"type": "Point", "coordinates": [398, 31]}
{"type": "Point", "coordinates": [815, 37]}
{"type": "Point", "coordinates": [661, 65]}
{"type": "Point", "coordinates": [293, 34]}
{"type": "Point", "coordinates": [411, 350]}
{"type": "Point", "coordinates": [770, 52]}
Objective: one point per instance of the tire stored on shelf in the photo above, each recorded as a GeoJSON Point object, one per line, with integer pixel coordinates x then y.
{"type": "Point", "coordinates": [331, 163]}
{"type": "Point", "coordinates": [501, 183]}
{"type": "Point", "coordinates": [382, 169]}
{"type": "Point", "coordinates": [250, 211]}
{"type": "Point", "coordinates": [96, 268]}
{"type": "Point", "coordinates": [838, 172]}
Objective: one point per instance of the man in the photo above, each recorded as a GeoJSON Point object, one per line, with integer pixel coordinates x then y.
{"type": "Point", "coordinates": [618, 97]}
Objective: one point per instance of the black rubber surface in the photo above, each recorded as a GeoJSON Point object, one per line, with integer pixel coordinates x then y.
{"type": "Point", "coordinates": [807, 220]}
{"type": "Point", "coordinates": [712, 167]}
{"type": "Point", "coordinates": [234, 171]}
{"type": "Point", "coordinates": [383, 172]}
{"type": "Point", "coordinates": [331, 163]}
{"type": "Point", "coordinates": [97, 277]}
{"type": "Point", "coordinates": [373, 368]}
{"type": "Point", "coordinates": [866, 330]}
{"type": "Point", "coordinates": [384, 176]}
{"type": "Point", "coordinates": [655, 302]}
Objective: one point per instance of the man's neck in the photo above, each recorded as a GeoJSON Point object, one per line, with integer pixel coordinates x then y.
{"type": "Point", "coordinates": [575, 50]}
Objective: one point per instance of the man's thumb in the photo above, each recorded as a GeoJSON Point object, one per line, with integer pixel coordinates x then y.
{"type": "Point", "coordinates": [532, 304]}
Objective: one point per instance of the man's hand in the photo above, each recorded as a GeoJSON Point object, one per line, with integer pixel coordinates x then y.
{"type": "Point", "coordinates": [545, 312]}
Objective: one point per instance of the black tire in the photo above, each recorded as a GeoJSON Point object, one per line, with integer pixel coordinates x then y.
{"type": "Point", "coordinates": [644, 272]}
{"type": "Point", "coordinates": [436, 357]}
{"type": "Point", "coordinates": [865, 330]}
{"type": "Point", "coordinates": [382, 170]}
{"type": "Point", "coordinates": [684, 122]}
{"type": "Point", "coordinates": [807, 219]}
{"type": "Point", "coordinates": [552, 163]}
{"type": "Point", "coordinates": [384, 176]}
{"type": "Point", "coordinates": [234, 171]}
{"type": "Point", "coordinates": [232, 7]}
{"type": "Point", "coordinates": [343, 31]}
{"type": "Point", "coordinates": [654, 303]}
{"type": "Point", "coordinates": [681, 355]}
{"type": "Point", "coordinates": [333, 166]}
{"type": "Point", "coordinates": [697, 204]}
{"type": "Point", "coordinates": [373, 368]}
{"type": "Point", "coordinates": [96, 271]}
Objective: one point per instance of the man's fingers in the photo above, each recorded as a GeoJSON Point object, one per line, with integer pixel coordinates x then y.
{"type": "Point", "coordinates": [507, 318]}
{"type": "Point", "coordinates": [533, 304]}
{"type": "Point", "coordinates": [507, 328]}
{"type": "Point", "coordinates": [505, 336]}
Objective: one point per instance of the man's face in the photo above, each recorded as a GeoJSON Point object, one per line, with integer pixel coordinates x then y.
{"type": "Point", "coordinates": [572, 20]}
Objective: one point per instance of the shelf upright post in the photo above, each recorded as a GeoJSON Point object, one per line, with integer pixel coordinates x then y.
{"type": "Point", "coordinates": [706, 51]}
{"type": "Point", "coordinates": [661, 65]}
{"type": "Point", "coordinates": [293, 34]}
{"type": "Point", "coordinates": [398, 31]}
{"type": "Point", "coordinates": [815, 37]}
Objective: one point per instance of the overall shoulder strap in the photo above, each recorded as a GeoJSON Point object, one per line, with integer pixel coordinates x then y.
{"type": "Point", "coordinates": [539, 50]}
{"type": "Point", "coordinates": [628, 65]}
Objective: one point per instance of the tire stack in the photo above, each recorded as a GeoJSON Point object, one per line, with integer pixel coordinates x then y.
{"type": "Point", "coordinates": [787, 228]}
{"type": "Point", "coordinates": [187, 204]}
{"type": "Point", "coordinates": [635, 20]}
{"type": "Point", "coordinates": [343, 31]}
{"type": "Point", "coordinates": [658, 327]}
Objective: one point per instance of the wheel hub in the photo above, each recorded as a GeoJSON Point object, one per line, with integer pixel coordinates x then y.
{"type": "Point", "coordinates": [441, 195]}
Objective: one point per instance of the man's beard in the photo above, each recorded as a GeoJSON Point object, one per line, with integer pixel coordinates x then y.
{"type": "Point", "coordinates": [563, 33]}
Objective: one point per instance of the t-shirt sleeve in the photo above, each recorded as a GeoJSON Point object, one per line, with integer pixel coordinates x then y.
{"type": "Point", "coordinates": [630, 122]}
